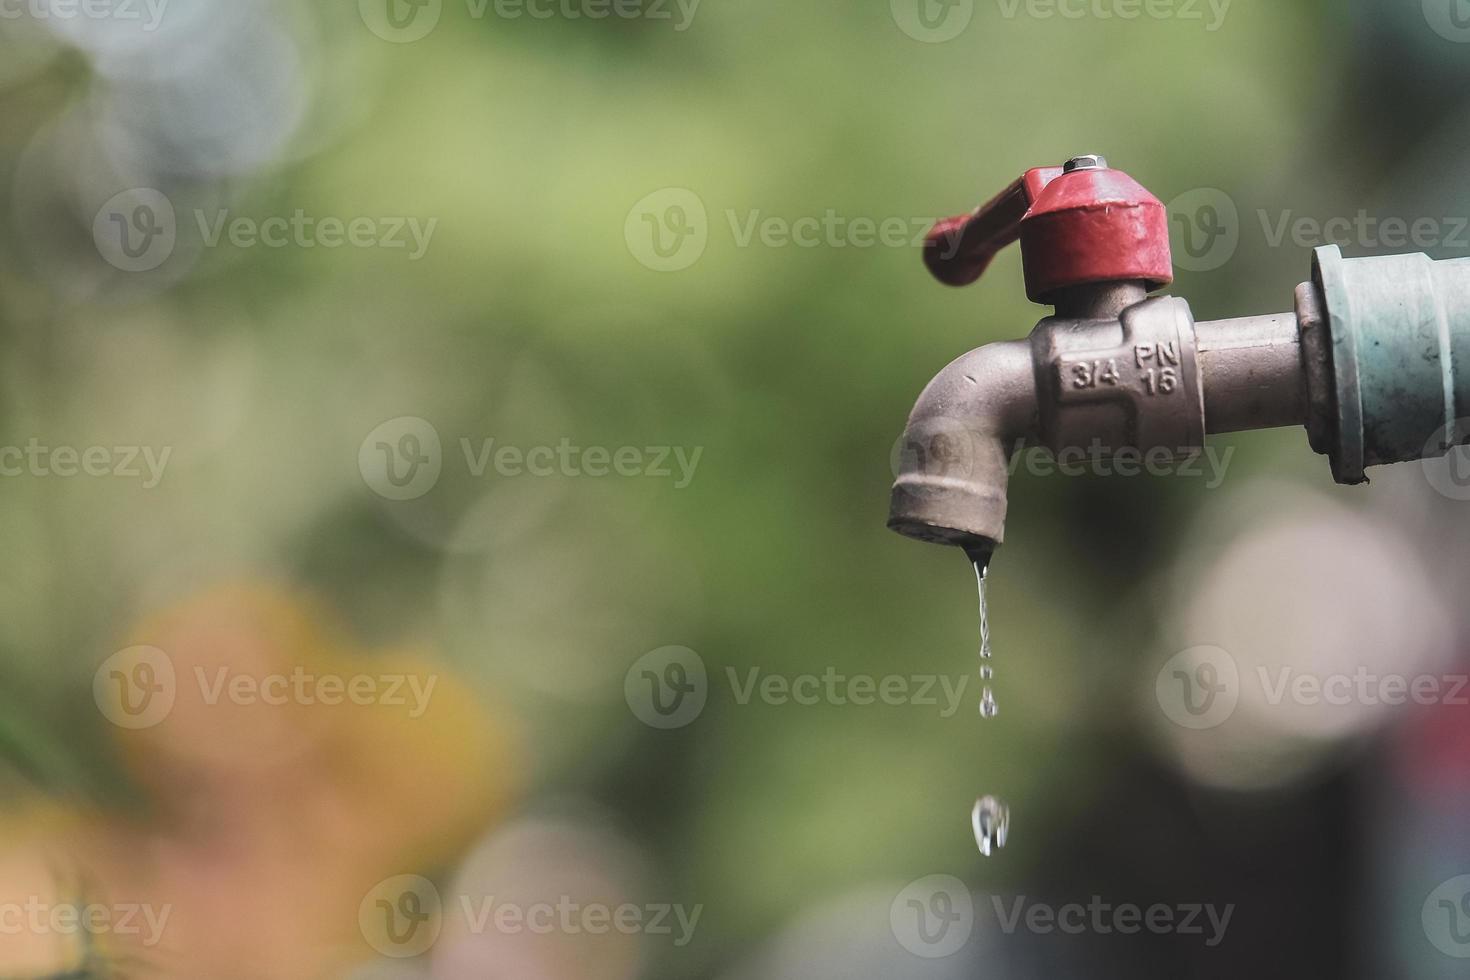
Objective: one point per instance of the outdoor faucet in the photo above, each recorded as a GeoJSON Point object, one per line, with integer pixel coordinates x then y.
{"type": "Point", "coordinates": [1374, 357]}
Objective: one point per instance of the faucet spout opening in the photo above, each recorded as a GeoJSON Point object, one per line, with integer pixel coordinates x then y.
{"type": "Point", "coordinates": [954, 460]}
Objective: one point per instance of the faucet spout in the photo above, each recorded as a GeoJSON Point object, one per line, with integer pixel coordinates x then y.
{"type": "Point", "coordinates": [954, 459]}
{"type": "Point", "coordinates": [1118, 380]}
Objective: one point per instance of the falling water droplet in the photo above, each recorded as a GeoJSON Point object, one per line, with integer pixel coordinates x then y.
{"type": "Point", "coordinates": [991, 819]}
{"type": "Point", "coordinates": [986, 673]}
{"type": "Point", "coordinates": [988, 707]}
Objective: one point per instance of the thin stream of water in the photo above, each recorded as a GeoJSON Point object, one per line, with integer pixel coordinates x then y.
{"type": "Point", "coordinates": [991, 817]}
{"type": "Point", "coordinates": [988, 706]}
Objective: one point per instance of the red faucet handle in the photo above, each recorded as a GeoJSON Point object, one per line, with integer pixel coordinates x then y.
{"type": "Point", "coordinates": [958, 250]}
{"type": "Point", "coordinates": [1079, 224]}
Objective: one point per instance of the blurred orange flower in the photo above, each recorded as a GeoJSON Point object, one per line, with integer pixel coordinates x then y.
{"type": "Point", "coordinates": [285, 774]}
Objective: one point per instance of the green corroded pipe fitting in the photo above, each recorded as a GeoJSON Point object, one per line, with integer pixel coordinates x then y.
{"type": "Point", "coordinates": [1395, 332]}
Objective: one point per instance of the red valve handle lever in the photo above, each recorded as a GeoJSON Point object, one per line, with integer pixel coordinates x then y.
{"type": "Point", "coordinates": [1077, 225]}
{"type": "Point", "coordinates": [958, 250]}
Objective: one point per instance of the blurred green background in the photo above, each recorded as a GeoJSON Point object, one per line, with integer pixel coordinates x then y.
{"type": "Point", "coordinates": [544, 149]}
